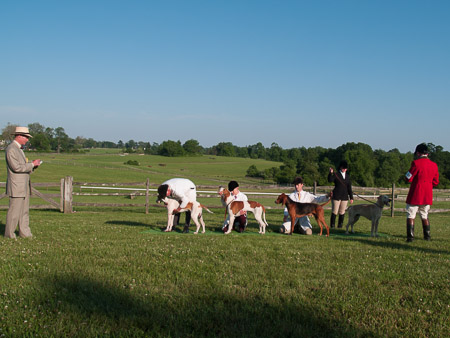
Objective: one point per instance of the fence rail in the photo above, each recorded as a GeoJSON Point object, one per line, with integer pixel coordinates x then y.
{"type": "Point", "coordinates": [68, 188]}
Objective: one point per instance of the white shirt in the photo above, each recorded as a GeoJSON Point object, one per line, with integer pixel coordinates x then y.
{"type": "Point", "coordinates": [182, 190]}
{"type": "Point", "coordinates": [303, 197]}
{"type": "Point", "coordinates": [240, 197]}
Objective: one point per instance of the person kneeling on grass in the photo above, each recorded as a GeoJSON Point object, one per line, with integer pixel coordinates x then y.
{"type": "Point", "coordinates": [303, 224]}
{"type": "Point", "coordinates": [240, 222]}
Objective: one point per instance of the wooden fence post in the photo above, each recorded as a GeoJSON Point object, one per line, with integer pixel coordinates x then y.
{"type": "Point", "coordinates": [61, 199]}
{"type": "Point", "coordinates": [68, 189]}
{"type": "Point", "coordinates": [147, 195]}
{"type": "Point", "coordinates": [392, 198]}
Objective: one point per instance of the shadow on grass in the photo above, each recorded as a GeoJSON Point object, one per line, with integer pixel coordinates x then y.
{"type": "Point", "coordinates": [127, 223]}
{"type": "Point", "coordinates": [98, 307]}
{"type": "Point", "coordinates": [378, 242]}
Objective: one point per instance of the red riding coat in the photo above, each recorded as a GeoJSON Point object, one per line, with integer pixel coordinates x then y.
{"type": "Point", "coordinates": [423, 176]}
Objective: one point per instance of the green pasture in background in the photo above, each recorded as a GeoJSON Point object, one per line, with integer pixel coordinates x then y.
{"type": "Point", "coordinates": [107, 167]}
{"type": "Point", "coordinates": [112, 271]}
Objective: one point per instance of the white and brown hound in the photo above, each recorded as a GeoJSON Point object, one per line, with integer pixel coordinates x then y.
{"type": "Point", "coordinates": [235, 207]}
{"type": "Point", "coordinates": [196, 209]}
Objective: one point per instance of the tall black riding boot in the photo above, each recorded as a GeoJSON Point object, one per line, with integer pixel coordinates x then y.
{"type": "Point", "coordinates": [332, 220]}
{"type": "Point", "coordinates": [426, 229]}
{"type": "Point", "coordinates": [341, 221]}
{"type": "Point", "coordinates": [409, 229]}
{"type": "Point", "coordinates": [187, 222]}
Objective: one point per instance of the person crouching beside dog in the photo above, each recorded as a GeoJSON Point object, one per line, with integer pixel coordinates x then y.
{"type": "Point", "coordinates": [240, 222]}
{"type": "Point", "coordinates": [183, 191]}
{"type": "Point", "coordinates": [423, 176]}
{"type": "Point", "coordinates": [303, 224]}
{"type": "Point", "coordinates": [341, 193]}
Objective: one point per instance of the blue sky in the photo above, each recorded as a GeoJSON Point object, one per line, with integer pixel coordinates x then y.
{"type": "Point", "coordinates": [298, 73]}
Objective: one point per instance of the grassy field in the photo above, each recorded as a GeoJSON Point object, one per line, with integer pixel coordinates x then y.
{"type": "Point", "coordinates": [112, 271]}
{"type": "Point", "coordinates": [109, 167]}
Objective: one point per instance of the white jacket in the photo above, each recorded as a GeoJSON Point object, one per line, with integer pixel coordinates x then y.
{"type": "Point", "coordinates": [182, 190]}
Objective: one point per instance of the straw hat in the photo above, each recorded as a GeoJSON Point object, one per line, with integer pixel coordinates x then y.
{"type": "Point", "coordinates": [22, 131]}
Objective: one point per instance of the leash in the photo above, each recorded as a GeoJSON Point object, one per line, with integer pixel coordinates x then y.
{"type": "Point", "coordinates": [365, 199]}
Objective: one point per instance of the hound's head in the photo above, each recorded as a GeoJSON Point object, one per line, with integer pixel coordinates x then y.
{"type": "Point", "coordinates": [224, 194]}
{"type": "Point", "coordinates": [281, 199]}
{"type": "Point", "coordinates": [384, 200]}
{"type": "Point", "coordinates": [161, 200]}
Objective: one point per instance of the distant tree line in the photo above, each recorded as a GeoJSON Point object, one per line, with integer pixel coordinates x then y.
{"type": "Point", "coordinates": [367, 167]}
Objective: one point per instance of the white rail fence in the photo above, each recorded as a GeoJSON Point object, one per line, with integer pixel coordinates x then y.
{"type": "Point", "coordinates": [68, 189]}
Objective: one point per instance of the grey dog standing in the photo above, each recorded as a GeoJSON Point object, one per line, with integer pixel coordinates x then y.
{"type": "Point", "coordinates": [372, 212]}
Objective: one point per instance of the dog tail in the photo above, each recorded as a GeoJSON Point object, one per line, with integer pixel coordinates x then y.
{"type": "Point", "coordinates": [204, 207]}
{"type": "Point", "coordinates": [323, 204]}
{"type": "Point", "coordinates": [264, 216]}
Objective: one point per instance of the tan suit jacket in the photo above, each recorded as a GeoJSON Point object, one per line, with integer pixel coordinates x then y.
{"type": "Point", "coordinates": [18, 181]}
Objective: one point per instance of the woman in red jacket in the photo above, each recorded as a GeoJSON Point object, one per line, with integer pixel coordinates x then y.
{"type": "Point", "coordinates": [423, 176]}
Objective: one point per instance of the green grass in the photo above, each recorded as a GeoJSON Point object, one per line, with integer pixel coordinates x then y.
{"type": "Point", "coordinates": [109, 167]}
{"type": "Point", "coordinates": [112, 271]}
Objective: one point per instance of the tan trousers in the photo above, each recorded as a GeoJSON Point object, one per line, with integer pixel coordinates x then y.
{"type": "Point", "coordinates": [339, 206]}
{"type": "Point", "coordinates": [18, 214]}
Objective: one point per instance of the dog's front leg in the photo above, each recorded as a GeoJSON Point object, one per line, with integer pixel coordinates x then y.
{"type": "Point", "coordinates": [375, 228]}
{"type": "Point", "coordinates": [231, 224]}
{"type": "Point", "coordinates": [170, 219]}
{"type": "Point", "coordinates": [293, 219]}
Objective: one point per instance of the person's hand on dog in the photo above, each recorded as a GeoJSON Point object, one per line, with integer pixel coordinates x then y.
{"type": "Point", "coordinates": [176, 211]}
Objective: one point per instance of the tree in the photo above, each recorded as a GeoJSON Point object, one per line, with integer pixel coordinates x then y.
{"type": "Point", "coordinates": [287, 173]}
{"type": "Point", "coordinates": [225, 149]}
{"type": "Point", "coordinates": [80, 141]}
{"type": "Point", "coordinates": [61, 140]}
{"type": "Point", "coordinates": [8, 132]}
{"type": "Point", "coordinates": [275, 153]}
{"type": "Point", "coordinates": [40, 142]}
{"type": "Point", "coordinates": [36, 128]}
{"type": "Point", "coordinates": [362, 167]}
{"type": "Point", "coordinates": [252, 171]}
{"type": "Point", "coordinates": [50, 133]}
{"type": "Point", "coordinates": [389, 168]}
{"type": "Point", "coordinates": [171, 149]}
{"type": "Point", "coordinates": [90, 143]}
{"type": "Point", "coordinates": [324, 168]}
{"type": "Point", "coordinates": [192, 147]}
{"type": "Point", "coordinates": [257, 151]}
{"type": "Point", "coordinates": [130, 144]}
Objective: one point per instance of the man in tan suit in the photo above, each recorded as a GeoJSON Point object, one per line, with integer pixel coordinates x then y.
{"type": "Point", "coordinates": [18, 186]}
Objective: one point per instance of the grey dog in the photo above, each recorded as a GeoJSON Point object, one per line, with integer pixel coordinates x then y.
{"type": "Point", "coordinates": [370, 211]}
